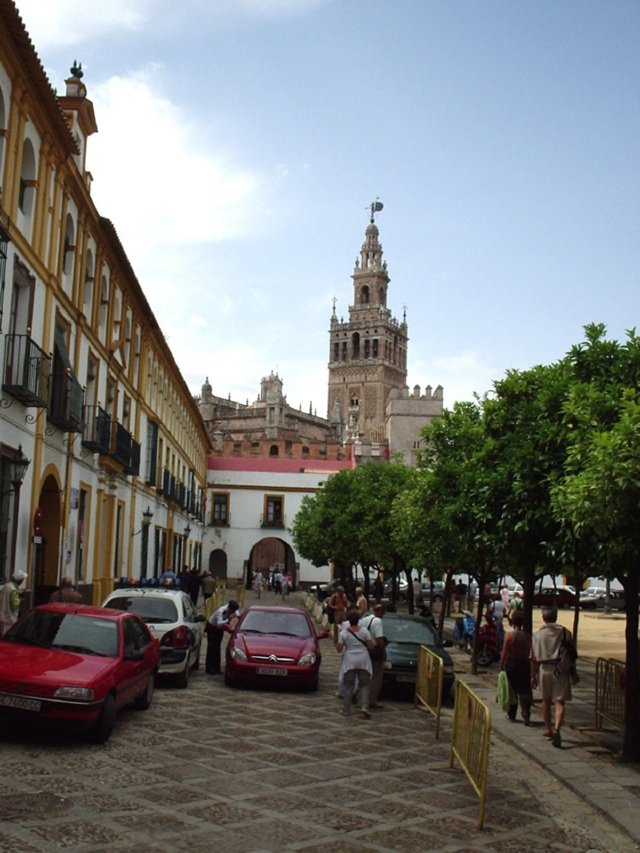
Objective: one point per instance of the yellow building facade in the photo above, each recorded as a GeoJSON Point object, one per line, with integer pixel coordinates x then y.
{"type": "Point", "coordinates": [91, 395]}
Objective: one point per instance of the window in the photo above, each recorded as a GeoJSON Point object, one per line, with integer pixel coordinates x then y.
{"type": "Point", "coordinates": [220, 516]}
{"type": "Point", "coordinates": [273, 450]}
{"type": "Point", "coordinates": [27, 189]}
{"type": "Point", "coordinates": [273, 511]}
{"type": "Point", "coordinates": [4, 239]}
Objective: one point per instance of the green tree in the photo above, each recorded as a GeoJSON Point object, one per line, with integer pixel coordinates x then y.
{"type": "Point", "coordinates": [600, 494]}
{"type": "Point", "coordinates": [466, 486]}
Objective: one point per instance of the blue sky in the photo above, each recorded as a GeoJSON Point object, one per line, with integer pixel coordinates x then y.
{"type": "Point", "coordinates": [241, 141]}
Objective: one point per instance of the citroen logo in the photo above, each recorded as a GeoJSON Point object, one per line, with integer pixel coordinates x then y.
{"type": "Point", "coordinates": [273, 658]}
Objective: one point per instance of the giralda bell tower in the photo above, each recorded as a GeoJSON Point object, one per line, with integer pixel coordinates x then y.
{"type": "Point", "coordinates": [368, 354]}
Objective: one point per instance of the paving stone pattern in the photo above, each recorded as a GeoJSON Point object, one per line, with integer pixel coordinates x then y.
{"type": "Point", "coordinates": [212, 768]}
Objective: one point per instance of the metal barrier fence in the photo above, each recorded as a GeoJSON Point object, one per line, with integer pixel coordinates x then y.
{"type": "Point", "coordinates": [429, 684]}
{"type": "Point", "coordinates": [610, 692]}
{"type": "Point", "coordinates": [470, 741]}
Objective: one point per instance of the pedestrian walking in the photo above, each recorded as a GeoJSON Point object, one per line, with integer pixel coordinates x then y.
{"type": "Point", "coordinates": [355, 644]}
{"type": "Point", "coordinates": [375, 626]}
{"type": "Point", "coordinates": [337, 610]}
{"type": "Point", "coordinates": [549, 673]}
{"type": "Point", "coordinates": [258, 583]}
{"type": "Point", "coordinates": [515, 661]}
{"type": "Point", "coordinates": [208, 585]}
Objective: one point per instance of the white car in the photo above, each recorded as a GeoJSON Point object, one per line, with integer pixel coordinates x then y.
{"type": "Point", "coordinates": [171, 617]}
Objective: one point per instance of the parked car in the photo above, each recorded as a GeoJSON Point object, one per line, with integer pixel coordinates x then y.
{"type": "Point", "coordinates": [560, 596]}
{"type": "Point", "coordinates": [171, 617]}
{"type": "Point", "coordinates": [274, 646]}
{"type": "Point", "coordinates": [405, 635]}
{"type": "Point", "coordinates": [74, 664]}
{"type": "Point", "coordinates": [438, 591]}
{"type": "Point", "coordinates": [594, 598]}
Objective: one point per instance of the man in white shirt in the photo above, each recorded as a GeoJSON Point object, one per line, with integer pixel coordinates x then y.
{"type": "Point", "coordinates": [221, 620]}
{"type": "Point", "coordinates": [373, 623]}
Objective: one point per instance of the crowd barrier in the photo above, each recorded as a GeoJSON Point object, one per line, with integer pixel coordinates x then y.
{"type": "Point", "coordinates": [610, 692]}
{"type": "Point", "coordinates": [429, 684]}
{"type": "Point", "coordinates": [470, 741]}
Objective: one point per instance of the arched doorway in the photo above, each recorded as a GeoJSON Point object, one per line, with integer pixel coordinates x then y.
{"type": "Point", "coordinates": [218, 563]}
{"type": "Point", "coordinates": [269, 554]}
{"type": "Point", "coordinates": [47, 552]}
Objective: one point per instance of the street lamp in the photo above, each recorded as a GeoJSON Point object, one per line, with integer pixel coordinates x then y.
{"type": "Point", "coordinates": [16, 467]}
{"type": "Point", "coordinates": [147, 515]}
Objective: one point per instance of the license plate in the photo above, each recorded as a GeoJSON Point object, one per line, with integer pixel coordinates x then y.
{"type": "Point", "coordinates": [271, 670]}
{"type": "Point", "coordinates": [19, 702]}
{"type": "Point", "coordinates": [406, 679]}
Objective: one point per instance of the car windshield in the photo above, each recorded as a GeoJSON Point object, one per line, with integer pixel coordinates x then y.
{"type": "Point", "coordinates": [274, 622]}
{"type": "Point", "coordinates": [409, 631]}
{"type": "Point", "coordinates": [154, 610]}
{"type": "Point", "coordinates": [67, 631]}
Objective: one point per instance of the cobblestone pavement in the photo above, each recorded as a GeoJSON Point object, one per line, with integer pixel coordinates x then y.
{"type": "Point", "coordinates": [215, 768]}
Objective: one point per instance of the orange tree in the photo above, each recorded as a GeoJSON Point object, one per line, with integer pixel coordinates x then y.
{"type": "Point", "coordinates": [600, 492]}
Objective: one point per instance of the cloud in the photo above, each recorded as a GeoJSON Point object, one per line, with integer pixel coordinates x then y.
{"type": "Point", "coordinates": [62, 23]}
{"type": "Point", "coordinates": [156, 175]}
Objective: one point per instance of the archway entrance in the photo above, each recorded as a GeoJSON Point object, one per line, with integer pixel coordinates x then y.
{"type": "Point", "coordinates": [47, 552]}
{"type": "Point", "coordinates": [271, 554]}
{"type": "Point", "coordinates": [218, 563]}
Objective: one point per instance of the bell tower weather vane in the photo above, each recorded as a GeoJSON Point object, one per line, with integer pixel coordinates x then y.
{"type": "Point", "coordinates": [376, 207]}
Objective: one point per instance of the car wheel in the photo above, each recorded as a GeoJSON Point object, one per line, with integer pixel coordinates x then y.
{"type": "Point", "coordinates": [143, 701]}
{"type": "Point", "coordinates": [484, 656]}
{"type": "Point", "coordinates": [106, 721]}
{"type": "Point", "coordinates": [182, 680]}
{"type": "Point", "coordinates": [196, 664]}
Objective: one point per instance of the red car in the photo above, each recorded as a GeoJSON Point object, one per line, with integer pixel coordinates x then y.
{"type": "Point", "coordinates": [69, 663]}
{"type": "Point", "coordinates": [274, 646]}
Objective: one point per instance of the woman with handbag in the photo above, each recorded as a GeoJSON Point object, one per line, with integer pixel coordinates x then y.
{"type": "Point", "coordinates": [515, 661]}
{"type": "Point", "coordinates": [355, 644]}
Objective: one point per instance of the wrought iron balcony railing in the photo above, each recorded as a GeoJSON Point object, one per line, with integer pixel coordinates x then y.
{"type": "Point", "coordinates": [67, 398]}
{"type": "Point", "coordinates": [27, 371]}
{"type": "Point", "coordinates": [96, 434]}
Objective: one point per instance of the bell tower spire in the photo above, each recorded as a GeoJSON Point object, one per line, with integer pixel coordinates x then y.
{"type": "Point", "coordinates": [368, 354]}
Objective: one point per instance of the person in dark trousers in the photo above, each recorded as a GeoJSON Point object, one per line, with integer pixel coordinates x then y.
{"type": "Point", "coordinates": [194, 585]}
{"type": "Point", "coordinates": [221, 620]}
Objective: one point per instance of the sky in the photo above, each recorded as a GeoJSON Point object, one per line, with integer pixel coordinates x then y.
{"type": "Point", "coordinates": [242, 142]}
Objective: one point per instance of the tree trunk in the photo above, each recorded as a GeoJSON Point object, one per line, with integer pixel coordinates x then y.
{"type": "Point", "coordinates": [631, 742]}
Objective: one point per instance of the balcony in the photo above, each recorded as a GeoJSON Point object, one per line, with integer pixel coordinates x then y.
{"type": "Point", "coordinates": [67, 398]}
{"type": "Point", "coordinates": [169, 484]}
{"type": "Point", "coordinates": [272, 521]}
{"type": "Point", "coordinates": [133, 467]}
{"type": "Point", "coordinates": [96, 434]}
{"type": "Point", "coordinates": [27, 371]}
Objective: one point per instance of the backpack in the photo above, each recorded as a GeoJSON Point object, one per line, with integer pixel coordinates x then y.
{"type": "Point", "coordinates": [568, 654]}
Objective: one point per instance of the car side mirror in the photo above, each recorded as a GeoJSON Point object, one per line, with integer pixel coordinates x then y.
{"type": "Point", "coordinates": [322, 635]}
